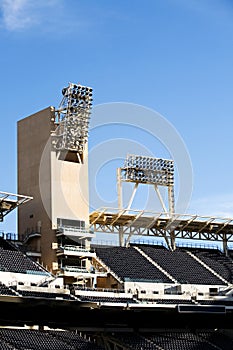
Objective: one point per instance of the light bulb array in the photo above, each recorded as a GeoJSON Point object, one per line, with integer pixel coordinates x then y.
{"type": "Point", "coordinates": [72, 118]}
{"type": "Point", "coordinates": [149, 170]}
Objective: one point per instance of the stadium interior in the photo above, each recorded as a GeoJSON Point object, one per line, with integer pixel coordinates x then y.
{"type": "Point", "coordinates": [60, 290]}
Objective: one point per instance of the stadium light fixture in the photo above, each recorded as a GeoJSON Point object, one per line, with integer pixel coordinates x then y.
{"type": "Point", "coordinates": [72, 118]}
{"type": "Point", "coordinates": [150, 171]}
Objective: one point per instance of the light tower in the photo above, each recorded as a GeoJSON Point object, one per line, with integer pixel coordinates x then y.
{"type": "Point", "coordinates": [53, 169]}
{"type": "Point", "coordinates": [156, 172]}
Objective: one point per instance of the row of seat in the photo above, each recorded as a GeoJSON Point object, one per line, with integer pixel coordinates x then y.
{"type": "Point", "coordinates": [184, 339]}
{"type": "Point", "coordinates": [16, 261]}
{"type": "Point", "coordinates": [130, 264]}
{"type": "Point", "coordinates": [106, 299]}
{"type": "Point", "coordinates": [183, 267]}
{"type": "Point", "coordinates": [21, 339]}
{"type": "Point", "coordinates": [176, 340]}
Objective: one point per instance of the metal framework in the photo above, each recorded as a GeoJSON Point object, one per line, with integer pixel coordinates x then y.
{"type": "Point", "coordinates": [150, 171]}
{"type": "Point", "coordinates": [127, 222]}
{"type": "Point", "coordinates": [72, 119]}
{"type": "Point", "coordinates": [10, 201]}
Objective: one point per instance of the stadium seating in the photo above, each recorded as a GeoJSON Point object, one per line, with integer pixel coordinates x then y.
{"type": "Point", "coordinates": [4, 290]}
{"type": "Point", "coordinates": [106, 299]}
{"type": "Point", "coordinates": [50, 295]}
{"type": "Point", "coordinates": [165, 339]}
{"type": "Point", "coordinates": [134, 263]}
{"type": "Point", "coordinates": [174, 339]}
{"type": "Point", "coordinates": [13, 260]}
{"type": "Point", "coordinates": [217, 261]}
{"type": "Point", "coordinates": [22, 339]}
{"type": "Point", "coordinates": [127, 263]}
{"type": "Point", "coordinates": [181, 266]}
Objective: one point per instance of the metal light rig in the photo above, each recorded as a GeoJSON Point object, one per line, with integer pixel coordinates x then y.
{"type": "Point", "coordinates": [150, 171]}
{"type": "Point", "coordinates": [72, 119]}
{"type": "Point", "coordinates": [10, 201]}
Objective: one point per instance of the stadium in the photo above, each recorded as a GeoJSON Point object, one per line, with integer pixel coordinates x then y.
{"type": "Point", "coordinates": [60, 290]}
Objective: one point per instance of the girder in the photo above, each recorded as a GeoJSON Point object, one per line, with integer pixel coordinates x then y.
{"type": "Point", "coordinates": [175, 226]}
{"type": "Point", "coordinates": [10, 201]}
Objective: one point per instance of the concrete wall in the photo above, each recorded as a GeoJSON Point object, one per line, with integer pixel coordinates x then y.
{"type": "Point", "coordinates": [32, 136]}
{"type": "Point", "coordinates": [33, 133]}
{"type": "Point", "coordinates": [69, 190]}
{"type": "Point", "coordinates": [59, 187]}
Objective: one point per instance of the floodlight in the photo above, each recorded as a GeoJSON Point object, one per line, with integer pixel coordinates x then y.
{"type": "Point", "coordinates": [72, 118]}
{"type": "Point", "coordinates": [148, 170]}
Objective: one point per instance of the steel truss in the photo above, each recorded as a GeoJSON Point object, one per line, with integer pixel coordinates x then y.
{"type": "Point", "coordinates": [10, 201]}
{"type": "Point", "coordinates": [129, 222]}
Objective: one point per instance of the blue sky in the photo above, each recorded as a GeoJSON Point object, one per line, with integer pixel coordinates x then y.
{"type": "Point", "coordinates": [170, 56]}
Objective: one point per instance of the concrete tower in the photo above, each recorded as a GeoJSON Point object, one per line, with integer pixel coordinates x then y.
{"type": "Point", "coordinates": [53, 169]}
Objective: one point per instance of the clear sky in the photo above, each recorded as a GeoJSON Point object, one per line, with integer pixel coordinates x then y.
{"type": "Point", "coordinates": [171, 56]}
